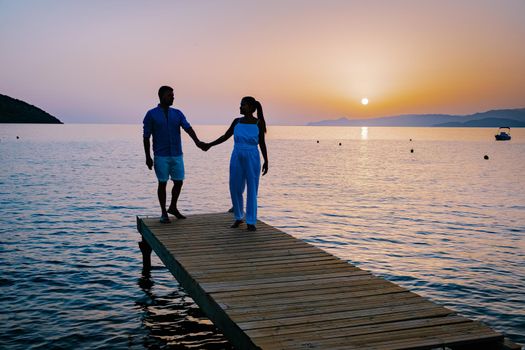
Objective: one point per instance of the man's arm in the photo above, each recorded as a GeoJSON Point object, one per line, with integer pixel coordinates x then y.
{"type": "Point", "coordinates": [149, 160]}
{"type": "Point", "coordinates": [189, 130]}
{"type": "Point", "coordinates": [194, 137]}
{"type": "Point", "coordinates": [148, 128]}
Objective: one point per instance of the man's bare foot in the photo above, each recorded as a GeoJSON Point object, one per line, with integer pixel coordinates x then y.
{"type": "Point", "coordinates": [164, 219]}
{"type": "Point", "coordinates": [176, 213]}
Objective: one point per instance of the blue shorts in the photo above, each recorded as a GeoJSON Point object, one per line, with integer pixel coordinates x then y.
{"type": "Point", "coordinates": [166, 167]}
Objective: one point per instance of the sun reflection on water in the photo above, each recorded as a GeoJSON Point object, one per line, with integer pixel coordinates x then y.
{"type": "Point", "coordinates": [364, 133]}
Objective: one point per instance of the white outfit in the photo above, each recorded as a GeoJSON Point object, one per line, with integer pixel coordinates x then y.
{"type": "Point", "coordinates": [245, 169]}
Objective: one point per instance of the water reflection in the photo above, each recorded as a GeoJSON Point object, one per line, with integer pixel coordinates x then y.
{"type": "Point", "coordinates": [441, 221]}
{"type": "Point", "coordinates": [364, 133]}
{"type": "Point", "coordinates": [174, 321]}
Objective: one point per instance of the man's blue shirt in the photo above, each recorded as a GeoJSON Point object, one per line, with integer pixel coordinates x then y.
{"type": "Point", "coordinates": [165, 131]}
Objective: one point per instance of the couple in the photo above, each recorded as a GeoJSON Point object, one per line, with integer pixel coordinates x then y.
{"type": "Point", "coordinates": [164, 123]}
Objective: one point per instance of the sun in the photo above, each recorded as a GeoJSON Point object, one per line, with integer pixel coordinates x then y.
{"type": "Point", "coordinates": [364, 101]}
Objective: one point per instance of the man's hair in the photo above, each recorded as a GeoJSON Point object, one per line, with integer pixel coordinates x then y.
{"type": "Point", "coordinates": [163, 90]}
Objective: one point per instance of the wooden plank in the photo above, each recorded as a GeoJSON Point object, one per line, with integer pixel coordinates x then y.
{"type": "Point", "coordinates": [298, 293]}
{"type": "Point", "coordinates": [309, 298]}
{"type": "Point", "coordinates": [255, 254]}
{"type": "Point", "coordinates": [273, 257]}
{"type": "Point", "coordinates": [226, 238]}
{"type": "Point", "coordinates": [277, 288]}
{"type": "Point", "coordinates": [205, 276]}
{"type": "Point", "coordinates": [340, 315]}
{"type": "Point", "coordinates": [234, 263]}
{"type": "Point", "coordinates": [296, 330]}
{"type": "Point", "coordinates": [224, 286]}
{"type": "Point", "coordinates": [222, 255]}
{"type": "Point", "coordinates": [444, 335]}
{"type": "Point", "coordinates": [313, 307]}
{"type": "Point", "coordinates": [257, 268]}
{"type": "Point", "coordinates": [285, 257]}
{"type": "Point", "coordinates": [268, 289]}
{"type": "Point", "coordinates": [343, 332]}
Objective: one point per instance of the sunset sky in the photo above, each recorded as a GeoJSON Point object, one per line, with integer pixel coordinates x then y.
{"type": "Point", "coordinates": [103, 61]}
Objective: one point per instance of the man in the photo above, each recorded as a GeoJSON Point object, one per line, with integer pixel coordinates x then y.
{"type": "Point", "coordinates": [164, 124]}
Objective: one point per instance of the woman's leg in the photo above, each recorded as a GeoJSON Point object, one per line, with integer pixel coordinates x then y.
{"type": "Point", "coordinates": [237, 183]}
{"type": "Point", "coordinates": [253, 170]}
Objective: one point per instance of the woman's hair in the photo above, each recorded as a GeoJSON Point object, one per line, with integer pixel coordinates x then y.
{"type": "Point", "coordinates": [256, 106]}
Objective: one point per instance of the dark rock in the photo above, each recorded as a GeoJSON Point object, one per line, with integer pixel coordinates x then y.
{"type": "Point", "coordinates": [16, 111]}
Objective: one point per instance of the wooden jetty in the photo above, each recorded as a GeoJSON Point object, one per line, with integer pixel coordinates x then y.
{"type": "Point", "coordinates": [269, 290]}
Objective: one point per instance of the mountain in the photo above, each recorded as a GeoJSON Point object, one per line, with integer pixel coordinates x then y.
{"type": "Point", "coordinates": [492, 118]}
{"type": "Point", "coordinates": [16, 111]}
{"type": "Point", "coordinates": [486, 123]}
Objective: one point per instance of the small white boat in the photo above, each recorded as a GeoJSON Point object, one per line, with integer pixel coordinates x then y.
{"type": "Point", "coordinates": [504, 134]}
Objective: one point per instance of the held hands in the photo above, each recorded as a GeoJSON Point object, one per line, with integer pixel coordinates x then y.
{"type": "Point", "coordinates": [203, 146]}
{"type": "Point", "coordinates": [265, 168]}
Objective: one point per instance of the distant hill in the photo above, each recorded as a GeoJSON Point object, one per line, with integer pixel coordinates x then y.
{"type": "Point", "coordinates": [16, 111]}
{"type": "Point", "coordinates": [486, 123]}
{"type": "Point", "coordinates": [492, 118]}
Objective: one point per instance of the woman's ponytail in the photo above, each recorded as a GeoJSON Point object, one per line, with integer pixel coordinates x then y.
{"type": "Point", "coordinates": [260, 116]}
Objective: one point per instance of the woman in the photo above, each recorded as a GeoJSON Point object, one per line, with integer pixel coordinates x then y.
{"type": "Point", "coordinates": [245, 163]}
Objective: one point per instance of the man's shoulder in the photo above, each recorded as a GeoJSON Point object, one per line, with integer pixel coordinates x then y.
{"type": "Point", "coordinates": [155, 109]}
{"type": "Point", "coordinates": [175, 110]}
{"type": "Point", "coordinates": [177, 113]}
{"type": "Point", "coordinates": [157, 112]}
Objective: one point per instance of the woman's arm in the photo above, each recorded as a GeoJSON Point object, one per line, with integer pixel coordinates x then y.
{"type": "Point", "coordinates": [226, 135]}
{"type": "Point", "coordinates": [262, 146]}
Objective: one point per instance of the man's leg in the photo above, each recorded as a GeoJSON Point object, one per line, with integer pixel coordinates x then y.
{"type": "Point", "coordinates": [175, 193]}
{"type": "Point", "coordinates": [161, 193]}
{"type": "Point", "coordinates": [162, 172]}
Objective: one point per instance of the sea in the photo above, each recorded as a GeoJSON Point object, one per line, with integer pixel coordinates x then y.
{"type": "Point", "coordinates": [440, 211]}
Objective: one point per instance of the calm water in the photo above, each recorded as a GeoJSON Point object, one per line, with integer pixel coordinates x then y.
{"type": "Point", "coordinates": [441, 221]}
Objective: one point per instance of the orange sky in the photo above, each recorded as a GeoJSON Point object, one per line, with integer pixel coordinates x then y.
{"type": "Point", "coordinates": [102, 61]}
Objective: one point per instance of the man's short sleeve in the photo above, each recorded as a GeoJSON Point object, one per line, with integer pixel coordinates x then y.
{"type": "Point", "coordinates": [147, 125]}
{"type": "Point", "coordinates": [183, 122]}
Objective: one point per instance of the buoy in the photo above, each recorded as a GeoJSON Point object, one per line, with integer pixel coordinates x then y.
{"type": "Point", "coordinates": [317, 141]}
{"type": "Point", "coordinates": [410, 139]}
{"type": "Point", "coordinates": [412, 150]}
{"type": "Point", "coordinates": [17, 137]}
{"type": "Point", "coordinates": [339, 143]}
{"type": "Point", "coordinates": [486, 157]}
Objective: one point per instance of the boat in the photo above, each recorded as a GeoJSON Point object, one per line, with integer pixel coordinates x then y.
{"type": "Point", "coordinates": [504, 134]}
